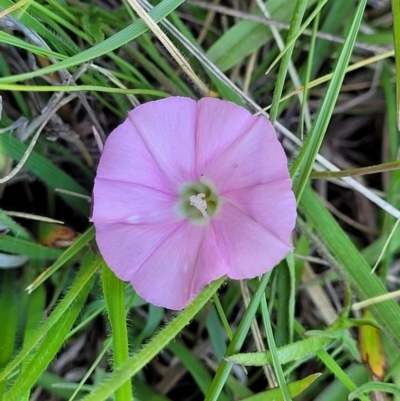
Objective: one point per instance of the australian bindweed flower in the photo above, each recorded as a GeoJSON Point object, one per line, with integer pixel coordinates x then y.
{"type": "Point", "coordinates": [189, 191]}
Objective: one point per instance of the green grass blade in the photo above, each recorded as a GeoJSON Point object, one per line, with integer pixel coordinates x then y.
{"type": "Point", "coordinates": [9, 317]}
{"type": "Point", "coordinates": [237, 341]}
{"type": "Point", "coordinates": [28, 248]}
{"type": "Point", "coordinates": [285, 288]}
{"type": "Point", "coordinates": [389, 388]}
{"type": "Point", "coordinates": [396, 35]}
{"type": "Point", "coordinates": [192, 364]}
{"type": "Point", "coordinates": [114, 296]}
{"type": "Point", "coordinates": [114, 42]}
{"type": "Point", "coordinates": [16, 229]}
{"type": "Point", "coordinates": [81, 88]}
{"type": "Point", "coordinates": [81, 242]}
{"type": "Point", "coordinates": [46, 171]}
{"type": "Point", "coordinates": [303, 166]}
{"type": "Point", "coordinates": [245, 37]}
{"type": "Point", "coordinates": [295, 388]}
{"type": "Point", "coordinates": [274, 353]}
{"type": "Point", "coordinates": [38, 30]}
{"type": "Point", "coordinates": [297, 17]}
{"type": "Point", "coordinates": [151, 349]}
{"type": "Point", "coordinates": [353, 266]}
{"type": "Point", "coordinates": [85, 275]}
{"type": "Point", "coordinates": [346, 380]}
{"type": "Point", "coordinates": [55, 336]}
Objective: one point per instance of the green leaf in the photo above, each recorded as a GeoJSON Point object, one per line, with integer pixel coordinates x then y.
{"type": "Point", "coordinates": [114, 296]}
{"type": "Point", "coordinates": [92, 23]}
{"type": "Point", "coordinates": [297, 17]}
{"type": "Point", "coordinates": [295, 388]}
{"type": "Point", "coordinates": [192, 364]}
{"type": "Point", "coordinates": [33, 24]}
{"type": "Point", "coordinates": [55, 334]}
{"type": "Point", "coordinates": [152, 348]}
{"type": "Point", "coordinates": [114, 42]}
{"type": "Point", "coordinates": [9, 317]}
{"type": "Point", "coordinates": [396, 35]}
{"type": "Point", "coordinates": [15, 228]}
{"type": "Point", "coordinates": [50, 174]}
{"type": "Point", "coordinates": [305, 161]}
{"type": "Point", "coordinates": [246, 37]}
{"type": "Point", "coordinates": [375, 386]}
{"type": "Point", "coordinates": [28, 248]}
{"type": "Point", "coordinates": [286, 354]}
{"type": "Point", "coordinates": [60, 313]}
{"type": "Point", "coordinates": [225, 367]}
{"type": "Point", "coordinates": [81, 242]}
{"type": "Point", "coordinates": [352, 265]}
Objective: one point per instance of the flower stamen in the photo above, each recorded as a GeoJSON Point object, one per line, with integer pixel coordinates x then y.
{"type": "Point", "coordinates": [200, 204]}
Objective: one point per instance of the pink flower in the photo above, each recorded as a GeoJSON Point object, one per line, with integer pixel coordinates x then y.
{"type": "Point", "coordinates": [187, 192]}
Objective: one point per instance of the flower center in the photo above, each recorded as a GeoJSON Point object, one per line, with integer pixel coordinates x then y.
{"type": "Point", "coordinates": [198, 201]}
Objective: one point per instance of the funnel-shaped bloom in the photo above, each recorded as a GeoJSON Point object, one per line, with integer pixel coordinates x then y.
{"type": "Point", "coordinates": [187, 192]}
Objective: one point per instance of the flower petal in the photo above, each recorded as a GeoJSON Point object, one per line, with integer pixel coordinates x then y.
{"type": "Point", "coordinates": [256, 157]}
{"type": "Point", "coordinates": [126, 158]}
{"type": "Point", "coordinates": [249, 249]}
{"type": "Point", "coordinates": [219, 124]}
{"type": "Point", "coordinates": [179, 268]}
{"type": "Point", "coordinates": [168, 127]}
{"type": "Point", "coordinates": [123, 202]}
{"type": "Point", "coordinates": [126, 247]}
{"type": "Point", "coordinates": [272, 205]}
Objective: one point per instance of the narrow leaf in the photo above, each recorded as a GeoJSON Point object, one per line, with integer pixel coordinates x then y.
{"type": "Point", "coordinates": [352, 265]}
{"type": "Point", "coordinates": [375, 386]}
{"type": "Point", "coordinates": [396, 35]}
{"type": "Point", "coordinates": [295, 388]}
{"type": "Point", "coordinates": [286, 354]}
